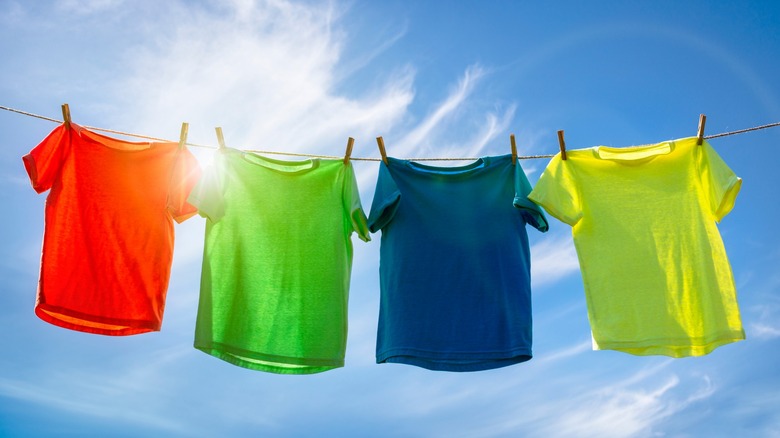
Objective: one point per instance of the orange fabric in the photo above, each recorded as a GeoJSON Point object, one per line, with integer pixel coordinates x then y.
{"type": "Point", "coordinates": [108, 237]}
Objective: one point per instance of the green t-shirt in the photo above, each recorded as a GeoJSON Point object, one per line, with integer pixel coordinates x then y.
{"type": "Point", "coordinates": [655, 271]}
{"type": "Point", "coordinates": [277, 261]}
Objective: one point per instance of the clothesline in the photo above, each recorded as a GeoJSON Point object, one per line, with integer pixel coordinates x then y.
{"type": "Point", "coordinates": [294, 154]}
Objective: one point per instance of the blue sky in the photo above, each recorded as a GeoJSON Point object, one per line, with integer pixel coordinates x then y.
{"type": "Point", "coordinates": [435, 79]}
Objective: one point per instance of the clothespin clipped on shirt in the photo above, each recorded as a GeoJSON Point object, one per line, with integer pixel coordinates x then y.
{"type": "Point", "coordinates": [185, 127]}
{"type": "Point", "coordinates": [66, 115]}
{"type": "Point", "coordinates": [350, 143]}
{"type": "Point", "coordinates": [562, 144]}
{"type": "Point", "coordinates": [381, 143]}
{"type": "Point", "coordinates": [700, 133]}
{"type": "Point", "coordinates": [220, 138]}
{"type": "Point", "coordinates": [514, 148]}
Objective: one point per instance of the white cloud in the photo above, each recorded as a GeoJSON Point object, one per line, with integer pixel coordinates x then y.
{"type": "Point", "coordinates": [267, 72]}
{"type": "Point", "coordinates": [592, 406]}
{"type": "Point", "coordinates": [564, 353]}
{"type": "Point", "coordinates": [495, 124]}
{"type": "Point", "coordinates": [52, 398]}
{"type": "Point", "coordinates": [420, 137]}
{"type": "Point", "coordinates": [764, 331]}
{"type": "Point", "coordinates": [553, 258]}
{"type": "Point", "coordinates": [623, 412]}
{"type": "Point", "coordinates": [115, 396]}
{"type": "Point", "coordinates": [761, 318]}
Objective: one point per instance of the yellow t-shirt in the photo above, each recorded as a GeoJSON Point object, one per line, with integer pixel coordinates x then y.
{"type": "Point", "coordinates": [655, 271]}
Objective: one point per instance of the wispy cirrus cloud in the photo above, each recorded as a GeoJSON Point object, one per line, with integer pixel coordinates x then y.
{"type": "Point", "coordinates": [553, 259]}
{"type": "Point", "coordinates": [761, 320]}
{"type": "Point", "coordinates": [103, 397]}
{"type": "Point", "coordinates": [493, 124]}
{"type": "Point", "coordinates": [267, 72]}
{"type": "Point", "coordinates": [453, 127]}
{"type": "Point", "coordinates": [635, 405]}
{"type": "Point", "coordinates": [623, 412]}
{"type": "Point", "coordinates": [764, 331]}
{"type": "Point", "coordinates": [564, 353]}
{"type": "Point", "coordinates": [525, 400]}
{"type": "Point", "coordinates": [273, 75]}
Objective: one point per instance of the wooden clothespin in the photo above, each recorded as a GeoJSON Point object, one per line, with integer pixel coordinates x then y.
{"type": "Point", "coordinates": [220, 138]}
{"type": "Point", "coordinates": [562, 144]}
{"type": "Point", "coordinates": [350, 143]}
{"type": "Point", "coordinates": [185, 127]}
{"type": "Point", "coordinates": [381, 143]}
{"type": "Point", "coordinates": [66, 115]}
{"type": "Point", "coordinates": [514, 148]}
{"type": "Point", "coordinates": [700, 133]}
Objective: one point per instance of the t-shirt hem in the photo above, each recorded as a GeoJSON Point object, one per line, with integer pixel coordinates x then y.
{"type": "Point", "coordinates": [455, 361]}
{"type": "Point", "coordinates": [234, 355]}
{"type": "Point", "coordinates": [131, 327]}
{"type": "Point", "coordinates": [669, 348]}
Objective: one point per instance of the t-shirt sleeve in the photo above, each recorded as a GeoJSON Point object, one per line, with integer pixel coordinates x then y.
{"type": "Point", "coordinates": [43, 162]}
{"type": "Point", "coordinates": [207, 195]}
{"type": "Point", "coordinates": [531, 212]}
{"type": "Point", "coordinates": [557, 192]}
{"type": "Point", "coordinates": [186, 173]}
{"type": "Point", "coordinates": [352, 205]}
{"type": "Point", "coordinates": [385, 202]}
{"type": "Point", "coordinates": [721, 185]}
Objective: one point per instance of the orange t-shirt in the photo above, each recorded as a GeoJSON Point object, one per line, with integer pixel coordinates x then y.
{"type": "Point", "coordinates": [108, 237]}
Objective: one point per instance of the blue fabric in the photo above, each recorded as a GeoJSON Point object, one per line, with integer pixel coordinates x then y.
{"type": "Point", "coordinates": [454, 264]}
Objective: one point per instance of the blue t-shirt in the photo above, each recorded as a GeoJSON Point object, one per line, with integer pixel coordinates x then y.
{"type": "Point", "coordinates": [455, 271]}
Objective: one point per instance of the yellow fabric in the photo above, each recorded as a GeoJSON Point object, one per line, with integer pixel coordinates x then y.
{"type": "Point", "coordinates": [655, 271]}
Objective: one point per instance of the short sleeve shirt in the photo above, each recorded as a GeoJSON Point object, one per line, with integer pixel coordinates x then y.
{"type": "Point", "coordinates": [277, 261]}
{"type": "Point", "coordinates": [656, 275]}
{"type": "Point", "coordinates": [108, 237]}
{"type": "Point", "coordinates": [454, 264]}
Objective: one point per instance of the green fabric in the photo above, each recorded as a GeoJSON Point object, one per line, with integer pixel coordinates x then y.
{"type": "Point", "coordinates": [277, 261]}
{"type": "Point", "coordinates": [656, 276]}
